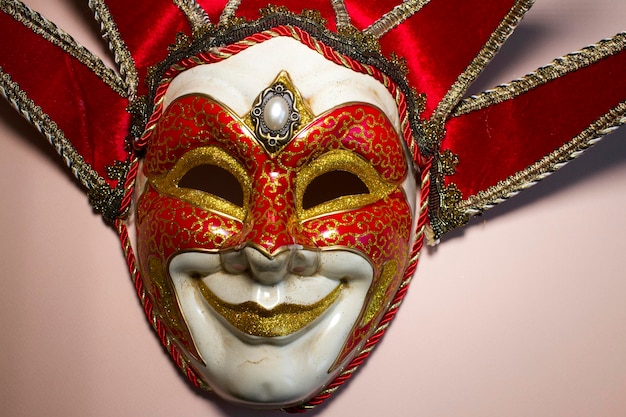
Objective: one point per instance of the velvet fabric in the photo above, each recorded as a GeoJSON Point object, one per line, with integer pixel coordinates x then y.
{"type": "Point", "coordinates": [498, 141]}
{"type": "Point", "coordinates": [91, 115]}
{"type": "Point", "coordinates": [438, 43]}
{"type": "Point", "coordinates": [147, 29]}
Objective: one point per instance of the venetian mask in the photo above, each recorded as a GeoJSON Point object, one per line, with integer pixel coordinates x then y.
{"type": "Point", "coordinates": [275, 217]}
{"type": "Point", "coordinates": [273, 174]}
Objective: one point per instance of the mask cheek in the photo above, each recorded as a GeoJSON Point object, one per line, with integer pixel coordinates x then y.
{"type": "Point", "coordinates": [167, 225]}
{"type": "Point", "coordinates": [380, 231]}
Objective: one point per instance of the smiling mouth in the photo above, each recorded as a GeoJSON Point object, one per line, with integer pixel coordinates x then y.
{"type": "Point", "coordinates": [255, 320]}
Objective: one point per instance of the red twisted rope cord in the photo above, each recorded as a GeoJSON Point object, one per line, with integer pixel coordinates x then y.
{"type": "Point", "coordinates": [156, 322]}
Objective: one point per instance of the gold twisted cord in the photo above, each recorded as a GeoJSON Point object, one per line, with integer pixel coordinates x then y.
{"type": "Point", "coordinates": [395, 17]}
{"type": "Point", "coordinates": [53, 34]}
{"type": "Point", "coordinates": [229, 11]}
{"type": "Point", "coordinates": [196, 16]}
{"type": "Point", "coordinates": [557, 68]}
{"type": "Point", "coordinates": [121, 54]}
{"type": "Point", "coordinates": [341, 13]}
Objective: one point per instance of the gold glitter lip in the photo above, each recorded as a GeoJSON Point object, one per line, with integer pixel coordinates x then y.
{"type": "Point", "coordinates": [255, 320]}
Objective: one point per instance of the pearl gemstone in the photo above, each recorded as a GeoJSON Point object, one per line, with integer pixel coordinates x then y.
{"type": "Point", "coordinates": [276, 113]}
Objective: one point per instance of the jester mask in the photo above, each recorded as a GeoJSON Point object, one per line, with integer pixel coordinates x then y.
{"type": "Point", "coordinates": [273, 171]}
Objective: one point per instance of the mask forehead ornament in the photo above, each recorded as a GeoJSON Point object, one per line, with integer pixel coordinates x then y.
{"type": "Point", "coordinates": [277, 113]}
{"type": "Point", "coordinates": [273, 175]}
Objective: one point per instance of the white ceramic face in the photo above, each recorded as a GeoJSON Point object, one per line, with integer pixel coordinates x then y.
{"type": "Point", "coordinates": [316, 297]}
{"type": "Point", "coordinates": [271, 370]}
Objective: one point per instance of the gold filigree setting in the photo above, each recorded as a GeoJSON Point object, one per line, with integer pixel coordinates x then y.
{"type": "Point", "coordinates": [277, 114]}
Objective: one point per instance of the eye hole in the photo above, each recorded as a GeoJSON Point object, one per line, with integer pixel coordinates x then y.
{"type": "Point", "coordinates": [214, 180]}
{"type": "Point", "coordinates": [331, 185]}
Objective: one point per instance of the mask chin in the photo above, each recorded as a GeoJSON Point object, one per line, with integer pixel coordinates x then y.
{"type": "Point", "coordinates": [267, 333]}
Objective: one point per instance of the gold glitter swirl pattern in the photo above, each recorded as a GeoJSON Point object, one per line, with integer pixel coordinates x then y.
{"type": "Point", "coordinates": [359, 128]}
{"type": "Point", "coordinates": [196, 121]}
{"type": "Point", "coordinates": [166, 225]}
{"type": "Point", "coordinates": [374, 230]}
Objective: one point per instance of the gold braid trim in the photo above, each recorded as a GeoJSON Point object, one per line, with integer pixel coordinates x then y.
{"type": "Point", "coordinates": [559, 67]}
{"type": "Point", "coordinates": [53, 34]}
{"type": "Point", "coordinates": [97, 187]}
{"type": "Point", "coordinates": [121, 55]}
{"type": "Point", "coordinates": [395, 17]}
{"type": "Point", "coordinates": [196, 16]}
{"type": "Point", "coordinates": [497, 38]}
{"type": "Point", "coordinates": [528, 177]}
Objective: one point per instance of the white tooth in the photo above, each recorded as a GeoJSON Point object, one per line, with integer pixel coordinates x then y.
{"type": "Point", "coordinates": [268, 297]}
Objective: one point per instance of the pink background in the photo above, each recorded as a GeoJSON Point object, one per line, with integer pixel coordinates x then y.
{"type": "Point", "coordinates": [522, 313]}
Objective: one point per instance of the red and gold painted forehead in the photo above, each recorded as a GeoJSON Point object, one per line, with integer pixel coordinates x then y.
{"type": "Point", "coordinates": [176, 82]}
{"type": "Point", "coordinates": [196, 121]}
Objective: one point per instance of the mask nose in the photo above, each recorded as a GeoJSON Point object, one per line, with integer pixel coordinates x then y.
{"type": "Point", "coordinates": [271, 270]}
{"type": "Point", "coordinates": [271, 223]}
